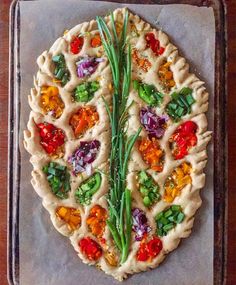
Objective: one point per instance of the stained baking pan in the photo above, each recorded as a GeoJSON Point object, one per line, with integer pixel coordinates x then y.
{"type": "Point", "coordinates": [220, 138]}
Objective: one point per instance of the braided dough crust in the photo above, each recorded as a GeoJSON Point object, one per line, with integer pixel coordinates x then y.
{"type": "Point", "coordinates": [189, 199]}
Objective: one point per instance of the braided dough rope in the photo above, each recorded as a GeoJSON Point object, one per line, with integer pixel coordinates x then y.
{"type": "Point", "coordinates": [189, 199]}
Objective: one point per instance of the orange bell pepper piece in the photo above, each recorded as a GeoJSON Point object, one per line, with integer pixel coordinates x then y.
{"type": "Point", "coordinates": [96, 41]}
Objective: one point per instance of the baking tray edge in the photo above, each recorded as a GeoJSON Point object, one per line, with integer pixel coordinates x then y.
{"type": "Point", "coordinates": [13, 154]}
{"type": "Point", "coordinates": [220, 145]}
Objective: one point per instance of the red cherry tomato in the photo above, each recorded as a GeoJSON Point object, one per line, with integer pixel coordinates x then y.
{"type": "Point", "coordinates": [183, 138]}
{"type": "Point", "coordinates": [150, 36]}
{"type": "Point", "coordinates": [90, 248]}
{"type": "Point", "coordinates": [189, 127]}
{"type": "Point", "coordinates": [48, 148]}
{"type": "Point", "coordinates": [192, 139]}
{"type": "Point", "coordinates": [150, 249]}
{"type": "Point", "coordinates": [161, 50]}
{"type": "Point", "coordinates": [154, 246]}
{"type": "Point", "coordinates": [154, 44]}
{"type": "Point", "coordinates": [51, 137]}
{"type": "Point", "coordinates": [76, 45]}
{"type": "Point", "coordinates": [142, 255]}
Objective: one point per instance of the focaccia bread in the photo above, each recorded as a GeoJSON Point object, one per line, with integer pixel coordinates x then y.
{"type": "Point", "coordinates": [117, 136]}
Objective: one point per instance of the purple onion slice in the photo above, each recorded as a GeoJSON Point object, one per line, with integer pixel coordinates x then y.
{"type": "Point", "coordinates": [155, 125]}
{"type": "Point", "coordinates": [83, 156]}
{"type": "Point", "coordinates": [87, 66]}
{"type": "Point", "coordinates": [140, 224]}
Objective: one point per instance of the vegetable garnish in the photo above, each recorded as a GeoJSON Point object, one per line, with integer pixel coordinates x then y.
{"type": "Point", "coordinates": [118, 53]}
{"type": "Point", "coordinates": [154, 44]}
{"type": "Point", "coordinates": [181, 103]}
{"type": "Point", "coordinates": [51, 101]}
{"type": "Point", "coordinates": [76, 44]}
{"type": "Point", "coordinates": [88, 188]}
{"type": "Point", "coordinates": [111, 258]}
{"type": "Point", "coordinates": [152, 153]}
{"type": "Point", "coordinates": [148, 188]}
{"type": "Point", "coordinates": [168, 219]}
{"type": "Point", "coordinates": [82, 158]}
{"type": "Point", "coordinates": [96, 220]}
{"type": "Point", "coordinates": [61, 72]}
{"type": "Point", "coordinates": [85, 118]}
{"type": "Point", "coordinates": [58, 178]}
{"type": "Point", "coordinates": [140, 224]}
{"type": "Point", "coordinates": [85, 91]}
{"type": "Point", "coordinates": [154, 125]}
{"type": "Point", "coordinates": [52, 139]}
{"type": "Point", "coordinates": [141, 62]}
{"type": "Point", "coordinates": [178, 179]}
{"type": "Point", "coordinates": [133, 30]}
{"type": "Point", "coordinates": [96, 41]}
{"type": "Point", "coordinates": [90, 248]}
{"type": "Point", "coordinates": [183, 139]}
{"type": "Point", "coordinates": [70, 216]}
{"type": "Point", "coordinates": [166, 75]}
{"type": "Point", "coordinates": [148, 93]}
{"type": "Point", "coordinates": [149, 250]}
{"type": "Point", "coordinates": [87, 66]}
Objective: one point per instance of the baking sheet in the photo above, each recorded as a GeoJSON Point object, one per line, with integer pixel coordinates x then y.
{"type": "Point", "coordinates": [45, 256]}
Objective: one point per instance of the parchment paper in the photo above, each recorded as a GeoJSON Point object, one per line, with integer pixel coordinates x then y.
{"type": "Point", "coordinates": [46, 257]}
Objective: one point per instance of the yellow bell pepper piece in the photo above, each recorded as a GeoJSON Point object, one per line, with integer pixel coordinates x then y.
{"type": "Point", "coordinates": [70, 216]}
{"type": "Point", "coordinates": [51, 101]}
{"type": "Point", "coordinates": [179, 178]}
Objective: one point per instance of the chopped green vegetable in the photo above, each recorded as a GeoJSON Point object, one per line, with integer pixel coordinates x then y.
{"type": "Point", "coordinates": [168, 227]}
{"type": "Point", "coordinates": [163, 220]}
{"type": "Point", "coordinates": [168, 213]}
{"type": "Point", "coordinates": [190, 99]}
{"type": "Point", "coordinates": [175, 208]}
{"type": "Point", "coordinates": [58, 178]}
{"type": "Point", "coordinates": [88, 188]}
{"type": "Point", "coordinates": [180, 218]}
{"type": "Point", "coordinates": [181, 103]}
{"type": "Point", "coordinates": [186, 91]}
{"type": "Point", "coordinates": [148, 188]}
{"type": "Point", "coordinates": [60, 167]}
{"type": "Point", "coordinates": [158, 216]}
{"type": "Point", "coordinates": [168, 219]}
{"type": "Point", "coordinates": [160, 232]}
{"type": "Point", "coordinates": [147, 201]}
{"type": "Point", "coordinates": [148, 93]}
{"type": "Point", "coordinates": [144, 191]}
{"type": "Point", "coordinates": [85, 91]}
{"type": "Point", "coordinates": [61, 72]}
{"type": "Point", "coordinates": [58, 58]}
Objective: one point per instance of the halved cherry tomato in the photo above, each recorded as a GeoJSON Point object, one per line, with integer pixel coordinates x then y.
{"type": "Point", "coordinates": [149, 250]}
{"type": "Point", "coordinates": [154, 246]}
{"type": "Point", "coordinates": [183, 138]}
{"type": "Point", "coordinates": [142, 255]}
{"type": "Point", "coordinates": [51, 137]}
{"type": "Point", "coordinates": [76, 45]}
{"type": "Point", "coordinates": [154, 44]}
{"type": "Point", "coordinates": [90, 248]}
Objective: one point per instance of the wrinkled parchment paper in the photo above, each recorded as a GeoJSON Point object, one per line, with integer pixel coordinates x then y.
{"type": "Point", "coordinates": [46, 257]}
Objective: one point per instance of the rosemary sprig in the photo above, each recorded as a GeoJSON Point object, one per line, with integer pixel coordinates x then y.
{"type": "Point", "coordinates": [119, 199]}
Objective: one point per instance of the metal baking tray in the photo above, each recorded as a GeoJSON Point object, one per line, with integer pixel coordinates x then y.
{"type": "Point", "coordinates": [220, 137]}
